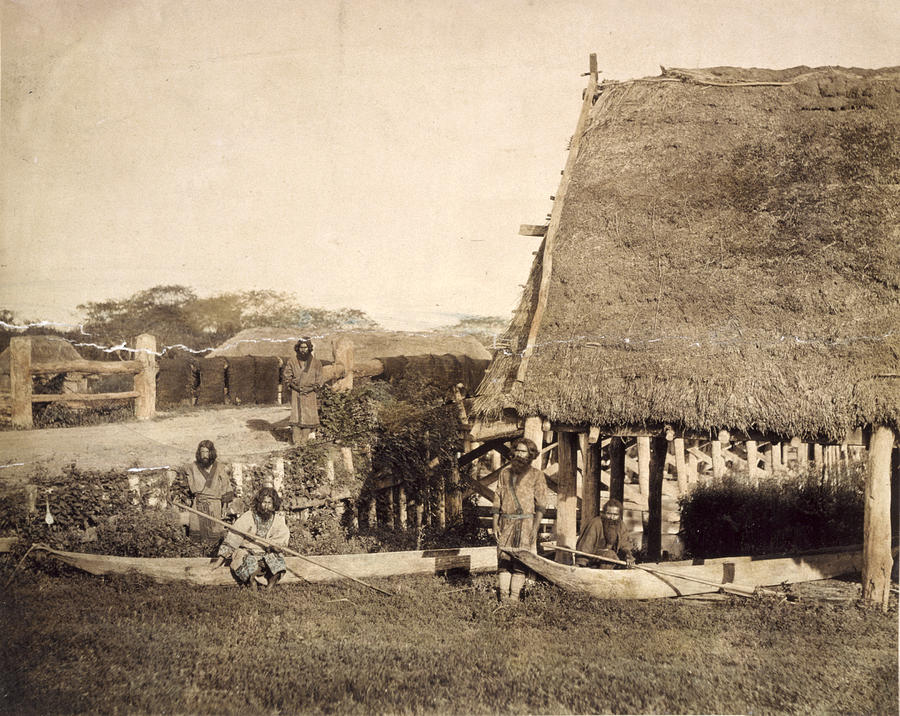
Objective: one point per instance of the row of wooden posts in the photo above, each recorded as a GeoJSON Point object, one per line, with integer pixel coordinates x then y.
{"type": "Point", "coordinates": [18, 403]}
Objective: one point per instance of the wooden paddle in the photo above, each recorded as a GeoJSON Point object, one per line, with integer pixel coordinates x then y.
{"type": "Point", "coordinates": [731, 588]}
{"type": "Point", "coordinates": [288, 550]}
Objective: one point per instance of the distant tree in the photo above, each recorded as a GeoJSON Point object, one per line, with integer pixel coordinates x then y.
{"type": "Point", "coordinates": [484, 328]}
{"type": "Point", "coordinates": [176, 315]}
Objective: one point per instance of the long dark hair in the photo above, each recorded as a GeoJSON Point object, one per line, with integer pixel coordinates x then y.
{"type": "Point", "coordinates": [270, 491]}
{"type": "Point", "coordinates": [533, 451]}
{"type": "Point", "coordinates": [208, 444]}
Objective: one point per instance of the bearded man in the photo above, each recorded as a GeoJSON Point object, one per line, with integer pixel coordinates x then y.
{"type": "Point", "coordinates": [210, 483]}
{"type": "Point", "coordinates": [605, 536]}
{"type": "Point", "coordinates": [519, 504]}
{"type": "Point", "coordinates": [250, 559]}
{"type": "Point", "coordinates": [302, 376]}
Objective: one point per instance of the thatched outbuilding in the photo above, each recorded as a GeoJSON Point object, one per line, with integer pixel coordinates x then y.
{"type": "Point", "coordinates": [723, 254]}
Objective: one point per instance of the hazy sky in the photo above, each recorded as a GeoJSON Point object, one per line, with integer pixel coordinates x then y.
{"type": "Point", "coordinates": [375, 155]}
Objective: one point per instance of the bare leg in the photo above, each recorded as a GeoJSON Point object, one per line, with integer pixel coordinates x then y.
{"type": "Point", "coordinates": [515, 587]}
{"type": "Point", "coordinates": [503, 580]}
{"type": "Point", "coordinates": [273, 580]}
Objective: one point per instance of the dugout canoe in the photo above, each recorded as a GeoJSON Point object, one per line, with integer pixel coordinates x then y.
{"type": "Point", "coordinates": [195, 570]}
{"type": "Point", "coordinates": [763, 571]}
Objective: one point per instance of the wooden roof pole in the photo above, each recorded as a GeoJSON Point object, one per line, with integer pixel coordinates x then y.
{"type": "Point", "coordinates": [547, 257]}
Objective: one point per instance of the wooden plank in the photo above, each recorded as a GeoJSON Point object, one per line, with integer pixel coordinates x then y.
{"type": "Point", "coordinates": [534, 432]}
{"type": "Point", "coordinates": [533, 229]}
{"type": "Point", "coordinates": [20, 381]}
{"type": "Point", "coordinates": [718, 462]}
{"type": "Point", "coordinates": [877, 561]}
{"type": "Point", "coordinates": [87, 366]}
{"type": "Point", "coordinates": [752, 463]}
{"type": "Point", "coordinates": [81, 397]}
{"type": "Point", "coordinates": [553, 227]}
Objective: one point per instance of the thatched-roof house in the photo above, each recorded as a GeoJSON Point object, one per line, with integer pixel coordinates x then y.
{"type": "Point", "coordinates": [366, 344]}
{"type": "Point", "coordinates": [44, 349]}
{"type": "Point", "coordinates": [723, 253]}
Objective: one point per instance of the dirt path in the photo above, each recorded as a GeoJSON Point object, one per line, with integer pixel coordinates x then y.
{"type": "Point", "coordinates": [244, 434]}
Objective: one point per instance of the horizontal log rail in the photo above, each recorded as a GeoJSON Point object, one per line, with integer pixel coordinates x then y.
{"type": "Point", "coordinates": [82, 397]}
{"type": "Point", "coordinates": [87, 366]}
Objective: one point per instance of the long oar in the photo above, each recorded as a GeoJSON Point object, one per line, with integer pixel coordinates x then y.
{"type": "Point", "coordinates": [264, 541]}
{"type": "Point", "coordinates": [733, 588]}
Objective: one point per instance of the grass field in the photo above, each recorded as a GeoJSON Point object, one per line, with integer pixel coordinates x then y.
{"type": "Point", "coordinates": [76, 643]}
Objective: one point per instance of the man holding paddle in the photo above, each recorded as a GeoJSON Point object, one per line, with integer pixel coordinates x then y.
{"type": "Point", "coordinates": [251, 559]}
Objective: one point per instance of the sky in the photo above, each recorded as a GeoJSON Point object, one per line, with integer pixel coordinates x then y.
{"type": "Point", "coordinates": [360, 154]}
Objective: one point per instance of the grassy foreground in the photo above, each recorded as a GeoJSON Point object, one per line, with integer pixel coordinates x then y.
{"type": "Point", "coordinates": [85, 644]}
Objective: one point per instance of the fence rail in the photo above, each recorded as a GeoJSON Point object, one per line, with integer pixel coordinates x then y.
{"type": "Point", "coordinates": [22, 370]}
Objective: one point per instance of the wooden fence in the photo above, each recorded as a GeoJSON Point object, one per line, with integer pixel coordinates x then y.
{"type": "Point", "coordinates": [19, 401]}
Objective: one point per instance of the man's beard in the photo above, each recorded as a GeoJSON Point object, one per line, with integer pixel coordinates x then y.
{"type": "Point", "coordinates": [265, 514]}
{"type": "Point", "coordinates": [205, 462]}
{"type": "Point", "coordinates": [520, 464]}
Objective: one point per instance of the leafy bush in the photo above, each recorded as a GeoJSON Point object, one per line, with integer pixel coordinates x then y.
{"type": "Point", "coordinates": [729, 517]}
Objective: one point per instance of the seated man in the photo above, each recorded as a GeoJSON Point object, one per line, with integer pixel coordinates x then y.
{"type": "Point", "coordinates": [251, 559]}
{"type": "Point", "coordinates": [604, 536]}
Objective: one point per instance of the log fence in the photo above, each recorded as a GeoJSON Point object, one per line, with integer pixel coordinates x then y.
{"type": "Point", "coordinates": [21, 398]}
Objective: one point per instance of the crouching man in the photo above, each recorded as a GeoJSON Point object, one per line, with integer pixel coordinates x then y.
{"type": "Point", "coordinates": [605, 536]}
{"type": "Point", "coordinates": [251, 559]}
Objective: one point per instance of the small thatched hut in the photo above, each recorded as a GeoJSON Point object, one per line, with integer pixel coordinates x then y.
{"type": "Point", "coordinates": [723, 255]}
{"type": "Point", "coordinates": [45, 349]}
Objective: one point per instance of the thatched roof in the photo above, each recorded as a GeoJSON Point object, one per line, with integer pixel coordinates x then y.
{"type": "Point", "coordinates": [44, 349]}
{"type": "Point", "coordinates": [366, 344]}
{"type": "Point", "coordinates": [727, 257]}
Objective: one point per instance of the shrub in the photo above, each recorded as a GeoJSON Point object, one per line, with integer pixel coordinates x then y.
{"type": "Point", "coordinates": [729, 517]}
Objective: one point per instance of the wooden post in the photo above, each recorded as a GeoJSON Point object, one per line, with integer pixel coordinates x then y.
{"type": "Point", "coordinates": [535, 432]}
{"type": "Point", "coordinates": [802, 457]}
{"type": "Point", "coordinates": [453, 496]}
{"type": "Point", "coordinates": [718, 463]}
{"type": "Point", "coordinates": [31, 499]}
{"type": "Point", "coordinates": [373, 510]}
{"type": "Point", "coordinates": [659, 446]}
{"type": "Point", "coordinates": [752, 463]}
{"type": "Point", "coordinates": [496, 460]}
{"type": "Point", "coordinates": [617, 469]}
{"type": "Point", "coordinates": [590, 487]}
{"type": "Point", "coordinates": [680, 466]}
{"type": "Point", "coordinates": [442, 503]}
{"type": "Point", "coordinates": [401, 505]}
{"type": "Point", "coordinates": [643, 447]}
{"type": "Point", "coordinates": [777, 459]}
{"type": "Point", "coordinates": [818, 456]}
{"type": "Point", "coordinates": [877, 561]}
{"type": "Point", "coordinates": [342, 347]}
{"type": "Point", "coordinates": [20, 381]}
{"type": "Point", "coordinates": [145, 381]}
{"type": "Point", "coordinates": [278, 474]}
{"type": "Point", "coordinates": [566, 495]}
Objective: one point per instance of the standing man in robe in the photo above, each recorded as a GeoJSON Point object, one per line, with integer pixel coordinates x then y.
{"type": "Point", "coordinates": [210, 483]}
{"type": "Point", "coordinates": [302, 376]}
{"type": "Point", "coordinates": [519, 504]}
{"type": "Point", "coordinates": [250, 559]}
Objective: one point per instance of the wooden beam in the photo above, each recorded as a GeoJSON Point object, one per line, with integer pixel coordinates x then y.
{"type": "Point", "coordinates": [658, 448]}
{"type": "Point", "coordinates": [482, 449]}
{"type": "Point", "coordinates": [752, 463]}
{"type": "Point", "coordinates": [591, 479]}
{"type": "Point", "coordinates": [566, 496]}
{"type": "Point", "coordinates": [145, 380]}
{"type": "Point", "coordinates": [86, 366]}
{"type": "Point", "coordinates": [81, 397]}
{"type": "Point", "coordinates": [555, 214]}
{"type": "Point", "coordinates": [533, 230]}
{"type": "Point", "coordinates": [643, 447]}
{"type": "Point", "coordinates": [877, 561]}
{"type": "Point", "coordinates": [680, 466]}
{"type": "Point", "coordinates": [20, 381]}
{"type": "Point", "coordinates": [534, 432]}
{"type": "Point", "coordinates": [617, 469]}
